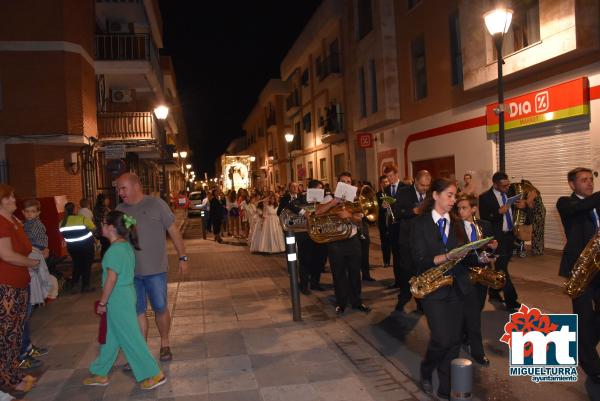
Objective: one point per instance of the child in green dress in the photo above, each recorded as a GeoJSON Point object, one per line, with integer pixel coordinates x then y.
{"type": "Point", "coordinates": [118, 301]}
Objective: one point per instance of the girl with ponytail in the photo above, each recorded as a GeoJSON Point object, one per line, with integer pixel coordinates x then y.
{"type": "Point", "coordinates": [118, 302]}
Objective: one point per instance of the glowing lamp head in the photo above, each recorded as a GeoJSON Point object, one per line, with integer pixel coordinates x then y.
{"type": "Point", "coordinates": [161, 112]}
{"type": "Point", "coordinates": [498, 21]}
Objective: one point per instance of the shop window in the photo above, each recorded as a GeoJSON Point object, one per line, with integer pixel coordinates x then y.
{"type": "Point", "coordinates": [419, 68]}
{"type": "Point", "coordinates": [361, 92]}
{"type": "Point", "coordinates": [455, 50]}
{"type": "Point", "coordinates": [323, 168]}
{"type": "Point", "coordinates": [364, 18]}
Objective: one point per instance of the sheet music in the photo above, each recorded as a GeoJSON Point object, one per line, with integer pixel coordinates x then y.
{"type": "Point", "coordinates": [315, 195]}
{"type": "Point", "coordinates": [345, 191]}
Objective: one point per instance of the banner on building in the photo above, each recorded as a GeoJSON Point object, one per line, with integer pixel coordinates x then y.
{"type": "Point", "coordinates": [387, 158]}
{"type": "Point", "coordinates": [566, 100]}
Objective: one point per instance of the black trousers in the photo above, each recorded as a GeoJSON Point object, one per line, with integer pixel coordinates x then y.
{"type": "Point", "coordinates": [312, 257]}
{"type": "Point", "coordinates": [474, 302]}
{"type": "Point", "coordinates": [405, 272]}
{"type": "Point", "coordinates": [505, 249]}
{"type": "Point", "coordinates": [445, 319]}
{"type": "Point", "coordinates": [365, 244]}
{"type": "Point", "coordinates": [587, 308]}
{"type": "Point", "coordinates": [82, 254]}
{"type": "Point", "coordinates": [344, 257]}
{"type": "Point", "coordinates": [394, 233]}
{"type": "Point", "coordinates": [384, 237]}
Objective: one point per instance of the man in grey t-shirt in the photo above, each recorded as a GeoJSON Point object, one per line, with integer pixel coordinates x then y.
{"type": "Point", "coordinates": [154, 220]}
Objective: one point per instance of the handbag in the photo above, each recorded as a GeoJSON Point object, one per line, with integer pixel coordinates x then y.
{"type": "Point", "coordinates": [102, 326]}
{"type": "Point", "coordinates": [524, 232]}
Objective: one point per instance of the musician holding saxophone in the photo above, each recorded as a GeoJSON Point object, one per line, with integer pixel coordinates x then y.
{"type": "Point", "coordinates": [434, 234]}
{"type": "Point", "coordinates": [344, 255]}
{"type": "Point", "coordinates": [579, 215]}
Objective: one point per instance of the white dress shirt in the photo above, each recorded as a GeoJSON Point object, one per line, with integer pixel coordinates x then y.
{"type": "Point", "coordinates": [500, 203]}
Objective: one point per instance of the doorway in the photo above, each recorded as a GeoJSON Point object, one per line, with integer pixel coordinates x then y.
{"type": "Point", "coordinates": [441, 167]}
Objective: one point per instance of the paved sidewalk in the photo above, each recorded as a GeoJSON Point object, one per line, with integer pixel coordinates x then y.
{"type": "Point", "coordinates": [232, 339]}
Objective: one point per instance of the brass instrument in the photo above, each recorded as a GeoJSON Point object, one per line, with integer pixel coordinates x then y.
{"type": "Point", "coordinates": [435, 278]}
{"type": "Point", "coordinates": [521, 230]}
{"type": "Point", "coordinates": [293, 222]}
{"type": "Point", "coordinates": [585, 269]}
{"type": "Point", "coordinates": [487, 276]}
{"type": "Point", "coordinates": [329, 227]}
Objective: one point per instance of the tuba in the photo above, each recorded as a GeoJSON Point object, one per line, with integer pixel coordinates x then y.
{"type": "Point", "coordinates": [330, 227]}
{"type": "Point", "coordinates": [293, 222]}
{"type": "Point", "coordinates": [487, 276]}
{"type": "Point", "coordinates": [585, 269]}
{"type": "Point", "coordinates": [521, 230]}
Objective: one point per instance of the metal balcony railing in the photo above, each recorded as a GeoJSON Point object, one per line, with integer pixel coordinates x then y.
{"type": "Point", "coordinates": [128, 47]}
{"type": "Point", "coordinates": [126, 126]}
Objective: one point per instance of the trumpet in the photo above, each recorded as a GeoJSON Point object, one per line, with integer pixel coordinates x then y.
{"type": "Point", "coordinates": [389, 212]}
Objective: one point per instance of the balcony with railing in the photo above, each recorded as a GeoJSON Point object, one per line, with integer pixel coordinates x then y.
{"type": "Point", "coordinates": [127, 48]}
{"type": "Point", "coordinates": [271, 120]}
{"type": "Point", "coordinates": [330, 65]}
{"type": "Point", "coordinates": [126, 126]}
{"type": "Point", "coordinates": [333, 125]}
{"type": "Point", "coordinates": [292, 102]}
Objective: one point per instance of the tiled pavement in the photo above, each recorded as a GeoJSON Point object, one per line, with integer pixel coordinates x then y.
{"type": "Point", "coordinates": [232, 339]}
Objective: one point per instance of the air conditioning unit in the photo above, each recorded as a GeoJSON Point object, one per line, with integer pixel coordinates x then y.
{"type": "Point", "coordinates": [118, 27]}
{"type": "Point", "coordinates": [121, 95]}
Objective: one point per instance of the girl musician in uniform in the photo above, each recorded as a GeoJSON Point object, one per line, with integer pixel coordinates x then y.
{"type": "Point", "coordinates": [435, 232]}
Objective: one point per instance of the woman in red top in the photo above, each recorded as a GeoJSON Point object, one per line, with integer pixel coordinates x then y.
{"type": "Point", "coordinates": [14, 279]}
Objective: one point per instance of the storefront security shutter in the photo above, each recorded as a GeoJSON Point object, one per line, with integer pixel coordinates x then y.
{"type": "Point", "coordinates": [544, 159]}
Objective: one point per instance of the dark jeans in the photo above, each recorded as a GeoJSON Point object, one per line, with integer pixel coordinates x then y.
{"type": "Point", "coordinates": [445, 319]}
{"type": "Point", "coordinates": [344, 257]}
{"type": "Point", "coordinates": [384, 237]}
{"type": "Point", "coordinates": [505, 248]}
{"type": "Point", "coordinates": [82, 254]}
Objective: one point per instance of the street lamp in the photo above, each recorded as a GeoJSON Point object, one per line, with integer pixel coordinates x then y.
{"type": "Point", "coordinates": [183, 154]}
{"type": "Point", "coordinates": [188, 166]}
{"type": "Point", "coordinates": [289, 138]}
{"type": "Point", "coordinates": [497, 22]}
{"type": "Point", "coordinates": [161, 112]}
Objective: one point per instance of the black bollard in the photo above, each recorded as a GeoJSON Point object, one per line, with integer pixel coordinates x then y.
{"type": "Point", "coordinates": [292, 262]}
{"type": "Point", "coordinates": [461, 373]}
{"type": "Point", "coordinates": [202, 217]}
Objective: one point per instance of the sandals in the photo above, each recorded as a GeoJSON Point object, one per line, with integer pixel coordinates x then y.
{"type": "Point", "coordinates": [165, 354]}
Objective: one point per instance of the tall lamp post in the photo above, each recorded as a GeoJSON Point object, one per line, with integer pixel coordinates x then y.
{"type": "Point", "coordinates": [497, 22]}
{"type": "Point", "coordinates": [161, 112]}
{"type": "Point", "coordinates": [289, 138]}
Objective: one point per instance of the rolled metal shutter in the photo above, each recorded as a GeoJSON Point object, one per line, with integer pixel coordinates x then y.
{"type": "Point", "coordinates": [544, 158]}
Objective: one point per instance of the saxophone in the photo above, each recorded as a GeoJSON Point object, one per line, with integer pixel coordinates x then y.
{"type": "Point", "coordinates": [585, 269]}
{"type": "Point", "coordinates": [487, 276]}
{"type": "Point", "coordinates": [432, 279]}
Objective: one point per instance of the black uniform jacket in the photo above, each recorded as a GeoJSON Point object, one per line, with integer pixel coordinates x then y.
{"type": "Point", "coordinates": [579, 227]}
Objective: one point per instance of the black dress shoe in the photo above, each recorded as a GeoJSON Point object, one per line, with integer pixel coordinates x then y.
{"type": "Point", "coordinates": [442, 395]}
{"type": "Point", "coordinates": [317, 288]}
{"type": "Point", "coordinates": [481, 359]}
{"type": "Point", "coordinates": [426, 385]}
{"type": "Point", "coordinates": [496, 298]}
{"type": "Point", "coordinates": [368, 278]}
{"type": "Point", "coordinates": [392, 287]}
{"type": "Point", "coordinates": [386, 265]}
{"type": "Point", "coordinates": [362, 308]}
{"type": "Point", "coordinates": [512, 308]}
{"type": "Point", "coordinates": [305, 291]}
{"type": "Point", "coordinates": [339, 310]}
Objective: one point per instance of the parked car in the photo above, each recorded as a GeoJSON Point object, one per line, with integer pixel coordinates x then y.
{"type": "Point", "coordinates": [197, 204]}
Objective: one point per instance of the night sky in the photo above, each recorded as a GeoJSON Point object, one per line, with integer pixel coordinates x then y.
{"type": "Point", "coordinates": [224, 53]}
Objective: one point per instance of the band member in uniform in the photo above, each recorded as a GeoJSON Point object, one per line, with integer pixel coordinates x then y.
{"type": "Point", "coordinates": [406, 208]}
{"type": "Point", "coordinates": [292, 201]}
{"type": "Point", "coordinates": [579, 215]}
{"type": "Point", "coordinates": [391, 172]}
{"type": "Point", "coordinates": [383, 222]}
{"type": "Point", "coordinates": [466, 205]}
{"type": "Point", "coordinates": [433, 234]}
{"type": "Point", "coordinates": [318, 252]}
{"type": "Point", "coordinates": [493, 208]}
{"type": "Point", "coordinates": [344, 257]}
